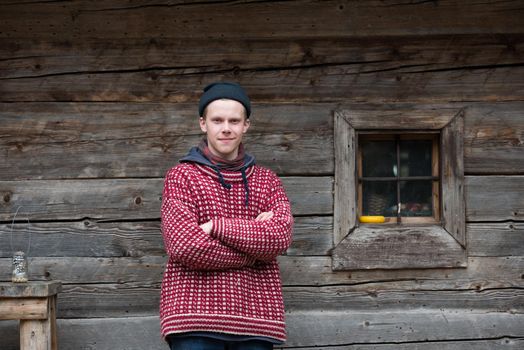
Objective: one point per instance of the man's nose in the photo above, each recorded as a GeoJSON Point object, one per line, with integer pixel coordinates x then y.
{"type": "Point", "coordinates": [226, 127]}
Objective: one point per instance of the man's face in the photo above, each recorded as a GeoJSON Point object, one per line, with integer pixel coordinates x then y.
{"type": "Point", "coordinates": [225, 124]}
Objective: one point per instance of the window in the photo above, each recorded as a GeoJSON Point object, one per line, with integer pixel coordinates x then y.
{"type": "Point", "coordinates": [398, 176]}
{"type": "Point", "coordinates": [404, 162]}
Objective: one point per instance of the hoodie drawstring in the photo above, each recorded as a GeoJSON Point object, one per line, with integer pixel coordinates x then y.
{"type": "Point", "coordinates": [228, 186]}
{"type": "Point", "coordinates": [246, 187]}
{"type": "Point", "coordinates": [221, 179]}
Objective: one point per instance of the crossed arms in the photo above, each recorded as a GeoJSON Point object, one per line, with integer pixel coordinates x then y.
{"type": "Point", "coordinates": [222, 243]}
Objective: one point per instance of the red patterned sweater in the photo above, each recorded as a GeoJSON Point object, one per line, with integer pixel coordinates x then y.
{"type": "Point", "coordinates": [227, 281]}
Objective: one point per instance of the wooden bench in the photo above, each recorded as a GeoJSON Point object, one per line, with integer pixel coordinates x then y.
{"type": "Point", "coordinates": [34, 304]}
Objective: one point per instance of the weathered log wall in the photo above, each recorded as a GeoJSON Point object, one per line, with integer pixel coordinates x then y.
{"type": "Point", "coordinates": [98, 100]}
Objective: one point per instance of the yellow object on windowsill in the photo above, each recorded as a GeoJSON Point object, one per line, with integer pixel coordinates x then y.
{"type": "Point", "coordinates": [372, 219]}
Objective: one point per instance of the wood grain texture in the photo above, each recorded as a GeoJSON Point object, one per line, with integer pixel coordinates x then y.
{"type": "Point", "coordinates": [497, 344]}
{"type": "Point", "coordinates": [482, 273]}
{"type": "Point", "coordinates": [131, 300]}
{"type": "Point", "coordinates": [85, 238]}
{"type": "Point", "coordinates": [89, 238]}
{"type": "Point", "coordinates": [311, 236]}
{"type": "Point", "coordinates": [125, 199]}
{"type": "Point", "coordinates": [33, 57]}
{"type": "Point", "coordinates": [345, 330]}
{"type": "Point", "coordinates": [214, 20]}
{"type": "Point", "coordinates": [142, 69]}
{"type": "Point", "coordinates": [32, 289]}
{"type": "Point", "coordinates": [357, 299]}
{"type": "Point", "coordinates": [345, 209]}
{"type": "Point", "coordinates": [496, 239]}
{"type": "Point", "coordinates": [393, 247]}
{"type": "Point", "coordinates": [83, 270]}
{"type": "Point", "coordinates": [23, 308]}
{"type": "Point", "coordinates": [35, 335]}
{"type": "Point", "coordinates": [398, 116]}
{"type": "Point", "coordinates": [317, 83]}
{"type": "Point", "coordinates": [382, 327]}
{"type": "Point", "coordinates": [452, 178]}
{"type": "Point", "coordinates": [494, 138]}
{"type": "Point", "coordinates": [153, 68]}
{"type": "Point", "coordinates": [494, 198]}
{"type": "Point", "coordinates": [145, 140]}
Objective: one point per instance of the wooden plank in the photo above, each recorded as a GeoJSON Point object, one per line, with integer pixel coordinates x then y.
{"type": "Point", "coordinates": [111, 19]}
{"type": "Point", "coordinates": [35, 335]}
{"type": "Point", "coordinates": [493, 139]}
{"type": "Point", "coordinates": [131, 300]}
{"type": "Point", "coordinates": [359, 69]}
{"type": "Point", "coordinates": [89, 238]}
{"type": "Point", "coordinates": [23, 309]}
{"type": "Point", "coordinates": [497, 344]}
{"type": "Point", "coordinates": [345, 330]}
{"type": "Point", "coordinates": [108, 300]}
{"type": "Point", "coordinates": [482, 273]}
{"type": "Point", "coordinates": [347, 327]}
{"type": "Point", "coordinates": [145, 140]}
{"type": "Point", "coordinates": [289, 138]}
{"type": "Point", "coordinates": [30, 289]}
{"type": "Point", "coordinates": [394, 247]}
{"type": "Point", "coordinates": [133, 333]}
{"type": "Point", "coordinates": [452, 181]}
{"type": "Point", "coordinates": [494, 198]}
{"type": "Point", "coordinates": [121, 199]}
{"type": "Point", "coordinates": [356, 298]}
{"type": "Point", "coordinates": [85, 238]}
{"type": "Point", "coordinates": [496, 239]}
{"type": "Point", "coordinates": [316, 83]}
{"type": "Point", "coordinates": [34, 57]}
{"type": "Point", "coordinates": [312, 236]}
{"type": "Point", "coordinates": [398, 116]}
{"type": "Point", "coordinates": [146, 270]}
{"type": "Point", "coordinates": [345, 211]}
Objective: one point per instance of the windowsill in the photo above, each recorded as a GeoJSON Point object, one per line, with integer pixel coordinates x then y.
{"type": "Point", "coordinates": [393, 246]}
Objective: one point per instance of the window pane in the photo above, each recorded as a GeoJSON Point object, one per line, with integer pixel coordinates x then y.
{"type": "Point", "coordinates": [415, 157]}
{"type": "Point", "coordinates": [416, 198]}
{"type": "Point", "coordinates": [379, 197]}
{"type": "Point", "coordinates": [379, 158]}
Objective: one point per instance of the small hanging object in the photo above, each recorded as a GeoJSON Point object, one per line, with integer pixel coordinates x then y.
{"type": "Point", "coordinates": [20, 266]}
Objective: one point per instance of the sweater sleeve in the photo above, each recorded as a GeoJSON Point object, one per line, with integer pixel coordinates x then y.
{"type": "Point", "coordinates": [184, 240]}
{"type": "Point", "coordinates": [263, 240]}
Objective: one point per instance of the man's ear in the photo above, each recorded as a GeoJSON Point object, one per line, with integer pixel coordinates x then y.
{"type": "Point", "coordinates": [202, 123]}
{"type": "Point", "coordinates": [247, 124]}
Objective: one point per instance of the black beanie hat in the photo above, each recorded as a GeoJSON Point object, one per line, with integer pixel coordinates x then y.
{"type": "Point", "coordinates": [216, 91]}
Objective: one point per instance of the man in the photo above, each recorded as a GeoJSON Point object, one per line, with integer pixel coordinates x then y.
{"type": "Point", "coordinates": [224, 222]}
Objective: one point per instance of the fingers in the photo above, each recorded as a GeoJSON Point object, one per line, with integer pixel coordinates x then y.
{"type": "Point", "coordinates": [207, 227]}
{"type": "Point", "coordinates": [264, 216]}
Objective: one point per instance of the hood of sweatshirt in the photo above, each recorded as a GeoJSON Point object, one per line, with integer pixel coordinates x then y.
{"type": "Point", "coordinates": [195, 156]}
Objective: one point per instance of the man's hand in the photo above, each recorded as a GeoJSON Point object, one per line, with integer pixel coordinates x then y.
{"type": "Point", "coordinates": [207, 227]}
{"type": "Point", "coordinates": [264, 216]}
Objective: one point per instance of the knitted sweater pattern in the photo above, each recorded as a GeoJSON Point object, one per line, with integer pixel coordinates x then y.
{"type": "Point", "coordinates": [227, 281]}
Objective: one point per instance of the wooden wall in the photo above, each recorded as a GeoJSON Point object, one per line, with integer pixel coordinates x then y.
{"type": "Point", "coordinates": [98, 100]}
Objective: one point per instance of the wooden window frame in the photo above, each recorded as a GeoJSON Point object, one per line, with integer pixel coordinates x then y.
{"type": "Point", "coordinates": [387, 135]}
{"type": "Point", "coordinates": [405, 245]}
